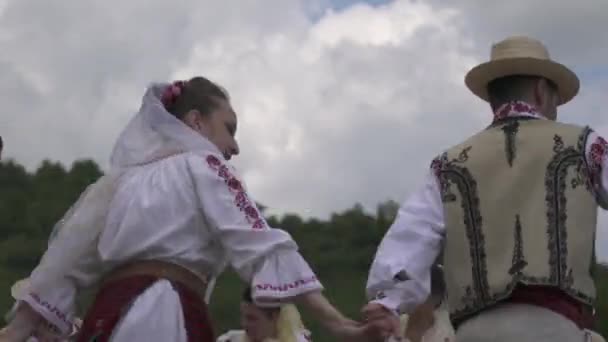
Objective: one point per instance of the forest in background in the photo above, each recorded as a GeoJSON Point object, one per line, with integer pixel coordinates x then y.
{"type": "Point", "coordinates": [340, 249]}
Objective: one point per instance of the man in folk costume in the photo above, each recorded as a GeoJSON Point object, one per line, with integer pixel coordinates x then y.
{"type": "Point", "coordinates": [515, 209]}
{"type": "Point", "coordinates": [280, 324]}
{"type": "Point", "coordinates": [159, 226]}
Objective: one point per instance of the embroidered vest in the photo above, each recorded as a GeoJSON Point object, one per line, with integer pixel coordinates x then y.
{"type": "Point", "coordinates": [519, 208]}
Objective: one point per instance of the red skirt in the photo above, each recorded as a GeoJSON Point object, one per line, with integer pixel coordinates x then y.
{"type": "Point", "coordinates": [114, 299]}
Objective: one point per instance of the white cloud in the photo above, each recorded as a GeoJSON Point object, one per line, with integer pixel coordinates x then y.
{"type": "Point", "coordinates": [348, 106]}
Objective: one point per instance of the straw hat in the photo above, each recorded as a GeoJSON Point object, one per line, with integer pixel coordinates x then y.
{"type": "Point", "coordinates": [521, 55]}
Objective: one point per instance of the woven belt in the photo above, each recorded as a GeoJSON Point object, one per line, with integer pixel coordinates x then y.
{"type": "Point", "coordinates": [163, 270]}
{"type": "Point", "coordinates": [557, 301]}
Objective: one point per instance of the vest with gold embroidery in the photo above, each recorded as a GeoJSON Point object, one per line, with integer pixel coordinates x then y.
{"type": "Point", "coordinates": [519, 208]}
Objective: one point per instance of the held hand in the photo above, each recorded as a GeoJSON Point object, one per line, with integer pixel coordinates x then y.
{"type": "Point", "coordinates": [48, 333]}
{"type": "Point", "coordinates": [4, 335]}
{"type": "Point", "coordinates": [383, 322]}
{"type": "Point", "coordinates": [9, 334]}
{"type": "Point", "coordinates": [353, 331]}
{"type": "Point", "coordinates": [22, 326]}
{"type": "Point", "coordinates": [373, 311]}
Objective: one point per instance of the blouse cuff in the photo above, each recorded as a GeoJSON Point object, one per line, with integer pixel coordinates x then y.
{"type": "Point", "coordinates": [56, 317]}
{"type": "Point", "coordinates": [283, 275]}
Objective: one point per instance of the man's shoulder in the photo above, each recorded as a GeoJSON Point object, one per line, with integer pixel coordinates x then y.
{"type": "Point", "coordinates": [557, 126]}
{"type": "Point", "coordinates": [569, 125]}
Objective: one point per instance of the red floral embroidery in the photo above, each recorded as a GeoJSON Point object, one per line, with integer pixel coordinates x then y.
{"type": "Point", "coordinates": [286, 287]}
{"type": "Point", "coordinates": [515, 108]}
{"type": "Point", "coordinates": [213, 161]}
{"type": "Point", "coordinates": [241, 200]}
{"type": "Point", "coordinates": [597, 153]}
{"type": "Point", "coordinates": [234, 185]}
{"type": "Point", "coordinates": [52, 309]}
{"type": "Point", "coordinates": [437, 166]}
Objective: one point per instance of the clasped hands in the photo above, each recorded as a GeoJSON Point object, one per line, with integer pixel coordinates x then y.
{"type": "Point", "coordinates": [379, 324]}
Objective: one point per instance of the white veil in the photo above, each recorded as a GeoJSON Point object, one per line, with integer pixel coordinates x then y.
{"type": "Point", "coordinates": [152, 134]}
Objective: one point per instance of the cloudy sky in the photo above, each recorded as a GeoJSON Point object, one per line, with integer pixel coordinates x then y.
{"type": "Point", "coordinates": [339, 101]}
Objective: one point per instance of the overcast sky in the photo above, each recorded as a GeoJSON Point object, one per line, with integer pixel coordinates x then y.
{"type": "Point", "coordinates": [339, 101]}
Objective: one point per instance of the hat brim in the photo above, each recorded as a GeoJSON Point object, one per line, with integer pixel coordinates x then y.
{"type": "Point", "coordinates": [479, 77]}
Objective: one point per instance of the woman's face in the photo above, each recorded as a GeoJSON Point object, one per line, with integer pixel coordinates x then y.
{"type": "Point", "coordinates": [258, 323]}
{"type": "Point", "coordinates": [219, 126]}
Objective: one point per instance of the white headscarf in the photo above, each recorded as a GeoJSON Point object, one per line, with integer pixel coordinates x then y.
{"type": "Point", "coordinates": [153, 133]}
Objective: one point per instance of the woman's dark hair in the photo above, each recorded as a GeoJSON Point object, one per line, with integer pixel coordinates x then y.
{"type": "Point", "coordinates": [197, 93]}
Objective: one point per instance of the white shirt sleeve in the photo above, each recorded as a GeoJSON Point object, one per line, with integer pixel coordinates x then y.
{"type": "Point", "coordinates": [70, 263]}
{"type": "Point", "coordinates": [399, 277]}
{"type": "Point", "coordinates": [267, 258]}
{"type": "Point", "coordinates": [596, 152]}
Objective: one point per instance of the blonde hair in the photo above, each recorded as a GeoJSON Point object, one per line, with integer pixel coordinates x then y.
{"type": "Point", "coordinates": [289, 325]}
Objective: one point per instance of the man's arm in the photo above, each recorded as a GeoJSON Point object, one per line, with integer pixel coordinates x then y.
{"type": "Point", "coordinates": [399, 277]}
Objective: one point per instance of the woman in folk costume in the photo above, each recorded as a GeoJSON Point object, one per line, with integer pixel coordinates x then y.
{"type": "Point", "coordinates": [159, 226]}
{"type": "Point", "coordinates": [281, 324]}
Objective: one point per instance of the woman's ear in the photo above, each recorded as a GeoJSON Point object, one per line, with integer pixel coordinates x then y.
{"type": "Point", "coordinates": [192, 119]}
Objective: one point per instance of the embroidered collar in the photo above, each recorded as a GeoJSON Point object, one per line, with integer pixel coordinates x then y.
{"type": "Point", "coordinates": [516, 109]}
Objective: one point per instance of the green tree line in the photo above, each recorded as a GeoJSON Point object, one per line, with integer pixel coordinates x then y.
{"type": "Point", "coordinates": [340, 249]}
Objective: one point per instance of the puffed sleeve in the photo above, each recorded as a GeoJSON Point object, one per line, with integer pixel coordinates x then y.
{"type": "Point", "coordinates": [265, 257]}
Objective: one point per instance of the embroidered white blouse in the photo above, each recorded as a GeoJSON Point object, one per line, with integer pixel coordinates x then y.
{"type": "Point", "coordinates": [414, 240]}
{"type": "Point", "coordinates": [192, 210]}
{"type": "Point", "coordinates": [188, 208]}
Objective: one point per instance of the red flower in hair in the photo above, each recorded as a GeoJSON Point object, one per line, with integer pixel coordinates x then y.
{"type": "Point", "coordinates": [172, 92]}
